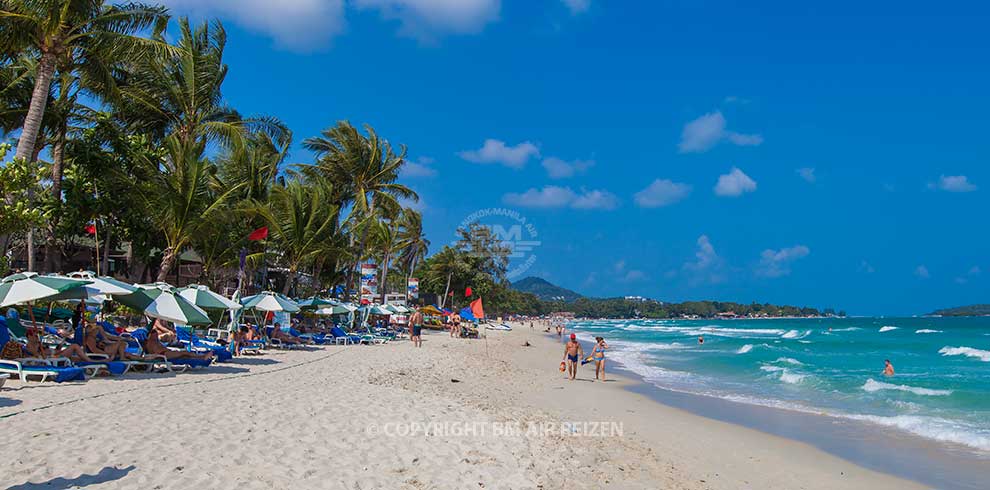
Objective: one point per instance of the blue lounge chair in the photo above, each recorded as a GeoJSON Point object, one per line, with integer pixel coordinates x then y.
{"type": "Point", "coordinates": [193, 342]}
{"type": "Point", "coordinates": [342, 337]}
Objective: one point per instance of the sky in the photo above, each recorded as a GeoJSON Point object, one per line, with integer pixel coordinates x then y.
{"type": "Point", "coordinates": [832, 155]}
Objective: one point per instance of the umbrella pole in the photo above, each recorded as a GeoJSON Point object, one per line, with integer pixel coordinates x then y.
{"type": "Point", "coordinates": [34, 323]}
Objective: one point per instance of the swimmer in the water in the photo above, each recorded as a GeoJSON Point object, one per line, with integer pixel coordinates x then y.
{"type": "Point", "coordinates": [888, 368]}
{"type": "Point", "coordinates": [701, 339]}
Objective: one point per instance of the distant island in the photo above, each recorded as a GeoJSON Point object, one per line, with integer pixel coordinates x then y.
{"type": "Point", "coordinates": [551, 298]}
{"type": "Point", "coordinates": [971, 310]}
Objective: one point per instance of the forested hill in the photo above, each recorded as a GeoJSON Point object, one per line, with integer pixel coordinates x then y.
{"type": "Point", "coordinates": [971, 310]}
{"type": "Point", "coordinates": [545, 290]}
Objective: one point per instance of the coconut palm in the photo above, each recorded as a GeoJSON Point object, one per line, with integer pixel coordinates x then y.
{"type": "Point", "coordinates": [62, 32]}
{"type": "Point", "coordinates": [182, 202]}
{"type": "Point", "coordinates": [446, 264]}
{"type": "Point", "coordinates": [415, 246]}
{"type": "Point", "coordinates": [300, 224]}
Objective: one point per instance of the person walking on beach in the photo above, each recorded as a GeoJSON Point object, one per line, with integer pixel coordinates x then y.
{"type": "Point", "coordinates": [598, 355]}
{"type": "Point", "coordinates": [573, 352]}
{"type": "Point", "coordinates": [888, 368]}
{"type": "Point", "coordinates": [416, 320]}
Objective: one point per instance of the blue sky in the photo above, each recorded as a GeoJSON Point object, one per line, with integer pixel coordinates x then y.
{"type": "Point", "coordinates": [828, 155]}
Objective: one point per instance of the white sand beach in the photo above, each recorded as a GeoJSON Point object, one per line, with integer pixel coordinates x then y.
{"type": "Point", "coordinates": [354, 417]}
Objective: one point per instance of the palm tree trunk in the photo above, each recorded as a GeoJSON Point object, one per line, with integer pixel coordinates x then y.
{"type": "Point", "coordinates": [168, 261]}
{"type": "Point", "coordinates": [383, 283]}
{"type": "Point", "coordinates": [105, 266]}
{"type": "Point", "coordinates": [289, 279]}
{"type": "Point", "coordinates": [443, 301]}
{"type": "Point", "coordinates": [52, 255]}
{"type": "Point", "coordinates": [36, 111]}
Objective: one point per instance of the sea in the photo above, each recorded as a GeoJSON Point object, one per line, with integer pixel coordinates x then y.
{"type": "Point", "coordinates": [828, 366]}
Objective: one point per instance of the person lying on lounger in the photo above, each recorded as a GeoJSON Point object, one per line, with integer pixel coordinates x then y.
{"type": "Point", "coordinates": [155, 346]}
{"type": "Point", "coordinates": [37, 349]}
{"type": "Point", "coordinates": [96, 341]}
{"type": "Point", "coordinates": [285, 337]}
{"type": "Point", "coordinates": [165, 334]}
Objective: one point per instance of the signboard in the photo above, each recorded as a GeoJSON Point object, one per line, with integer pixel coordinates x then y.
{"type": "Point", "coordinates": [412, 290]}
{"type": "Point", "coordinates": [369, 282]}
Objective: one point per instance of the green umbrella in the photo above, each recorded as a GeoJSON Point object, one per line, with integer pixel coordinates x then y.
{"type": "Point", "coordinates": [161, 301]}
{"type": "Point", "coordinates": [332, 310]}
{"type": "Point", "coordinates": [104, 284]}
{"type": "Point", "coordinates": [26, 287]}
{"type": "Point", "coordinates": [314, 303]}
{"type": "Point", "coordinates": [269, 301]}
{"type": "Point", "coordinates": [206, 299]}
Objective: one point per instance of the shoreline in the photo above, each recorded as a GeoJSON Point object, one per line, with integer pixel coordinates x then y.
{"type": "Point", "coordinates": [319, 418]}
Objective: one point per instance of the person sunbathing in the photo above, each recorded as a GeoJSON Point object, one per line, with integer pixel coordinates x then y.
{"type": "Point", "coordinates": [165, 334]}
{"type": "Point", "coordinates": [95, 343]}
{"type": "Point", "coordinates": [35, 348]}
{"type": "Point", "coordinates": [154, 346]}
{"type": "Point", "coordinates": [285, 337]}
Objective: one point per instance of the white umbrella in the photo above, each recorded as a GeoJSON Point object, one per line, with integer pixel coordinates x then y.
{"type": "Point", "coordinates": [206, 299]}
{"type": "Point", "coordinates": [105, 285]}
{"type": "Point", "coordinates": [269, 301]}
{"type": "Point", "coordinates": [29, 286]}
{"type": "Point", "coordinates": [161, 301]}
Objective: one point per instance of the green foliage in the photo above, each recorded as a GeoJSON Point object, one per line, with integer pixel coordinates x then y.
{"type": "Point", "coordinates": [18, 182]}
{"type": "Point", "coordinates": [970, 310]}
{"type": "Point", "coordinates": [544, 290]}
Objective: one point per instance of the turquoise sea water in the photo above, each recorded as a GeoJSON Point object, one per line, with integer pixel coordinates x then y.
{"type": "Point", "coordinates": [941, 389]}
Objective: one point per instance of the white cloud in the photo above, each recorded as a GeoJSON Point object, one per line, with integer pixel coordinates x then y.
{"type": "Point", "coordinates": [495, 151]}
{"type": "Point", "coordinates": [561, 169]}
{"type": "Point", "coordinates": [307, 25]}
{"type": "Point", "coordinates": [808, 174]}
{"type": "Point", "coordinates": [953, 183]}
{"type": "Point", "coordinates": [418, 168]}
{"type": "Point", "coordinates": [552, 196]}
{"type": "Point", "coordinates": [634, 275]}
{"type": "Point", "coordinates": [922, 272]}
{"type": "Point", "coordinates": [707, 266]}
{"type": "Point", "coordinates": [595, 199]}
{"type": "Point", "coordinates": [426, 20]}
{"type": "Point", "coordinates": [302, 25]}
{"type": "Point", "coordinates": [661, 192]}
{"type": "Point", "coordinates": [734, 184]}
{"type": "Point", "coordinates": [577, 6]}
{"type": "Point", "coordinates": [703, 133]}
{"type": "Point", "coordinates": [776, 263]}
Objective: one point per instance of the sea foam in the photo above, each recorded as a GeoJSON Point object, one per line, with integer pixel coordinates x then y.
{"type": "Point", "coordinates": [983, 355]}
{"type": "Point", "coordinates": [873, 386]}
{"type": "Point", "coordinates": [744, 349]}
{"type": "Point", "coordinates": [887, 328]}
{"type": "Point", "coordinates": [927, 330]}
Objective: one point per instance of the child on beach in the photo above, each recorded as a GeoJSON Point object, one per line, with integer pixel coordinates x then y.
{"type": "Point", "coordinates": [573, 352]}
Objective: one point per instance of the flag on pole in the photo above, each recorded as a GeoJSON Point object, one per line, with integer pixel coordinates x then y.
{"type": "Point", "coordinates": [259, 234]}
{"type": "Point", "coordinates": [467, 291]}
{"type": "Point", "coordinates": [477, 308]}
{"type": "Point", "coordinates": [90, 229]}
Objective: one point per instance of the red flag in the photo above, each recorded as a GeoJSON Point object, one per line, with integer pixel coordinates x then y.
{"type": "Point", "coordinates": [90, 229]}
{"type": "Point", "coordinates": [467, 291]}
{"type": "Point", "coordinates": [450, 293]}
{"type": "Point", "coordinates": [477, 308]}
{"type": "Point", "coordinates": [259, 234]}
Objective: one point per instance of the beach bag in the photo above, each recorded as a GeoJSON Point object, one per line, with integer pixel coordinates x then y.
{"type": "Point", "coordinates": [12, 350]}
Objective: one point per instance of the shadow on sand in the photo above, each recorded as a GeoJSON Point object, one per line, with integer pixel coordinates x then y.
{"type": "Point", "coordinates": [107, 474]}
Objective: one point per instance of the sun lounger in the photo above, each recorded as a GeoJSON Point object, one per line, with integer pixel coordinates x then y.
{"type": "Point", "coordinates": [28, 368]}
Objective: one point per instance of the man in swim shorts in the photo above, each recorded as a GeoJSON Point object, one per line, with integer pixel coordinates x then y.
{"type": "Point", "coordinates": [416, 321]}
{"type": "Point", "coordinates": [573, 352]}
{"type": "Point", "coordinates": [888, 368]}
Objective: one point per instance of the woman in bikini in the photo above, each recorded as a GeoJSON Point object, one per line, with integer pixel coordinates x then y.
{"type": "Point", "coordinates": [95, 343]}
{"type": "Point", "coordinates": [37, 349]}
{"type": "Point", "coordinates": [598, 355]}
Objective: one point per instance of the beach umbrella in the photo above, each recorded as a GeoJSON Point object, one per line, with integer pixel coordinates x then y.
{"type": "Point", "coordinates": [332, 310]}
{"type": "Point", "coordinates": [379, 310]}
{"type": "Point", "coordinates": [26, 287]}
{"type": "Point", "coordinates": [206, 299]}
{"type": "Point", "coordinates": [104, 284]}
{"type": "Point", "coordinates": [314, 303]}
{"type": "Point", "coordinates": [161, 301]}
{"type": "Point", "coordinates": [269, 301]}
{"type": "Point", "coordinates": [430, 310]}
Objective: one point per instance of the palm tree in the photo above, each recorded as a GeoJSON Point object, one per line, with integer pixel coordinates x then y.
{"type": "Point", "coordinates": [415, 246]}
{"type": "Point", "coordinates": [180, 94]}
{"type": "Point", "coordinates": [182, 202]}
{"type": "Point", "coordinates": [61, 32]}
{"type": "Point", "coordinates": [300, 223]}
{"type": "Point", "coordinates": [447, 263]}
{"type": "Point", "coordinates": [365, 169]}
